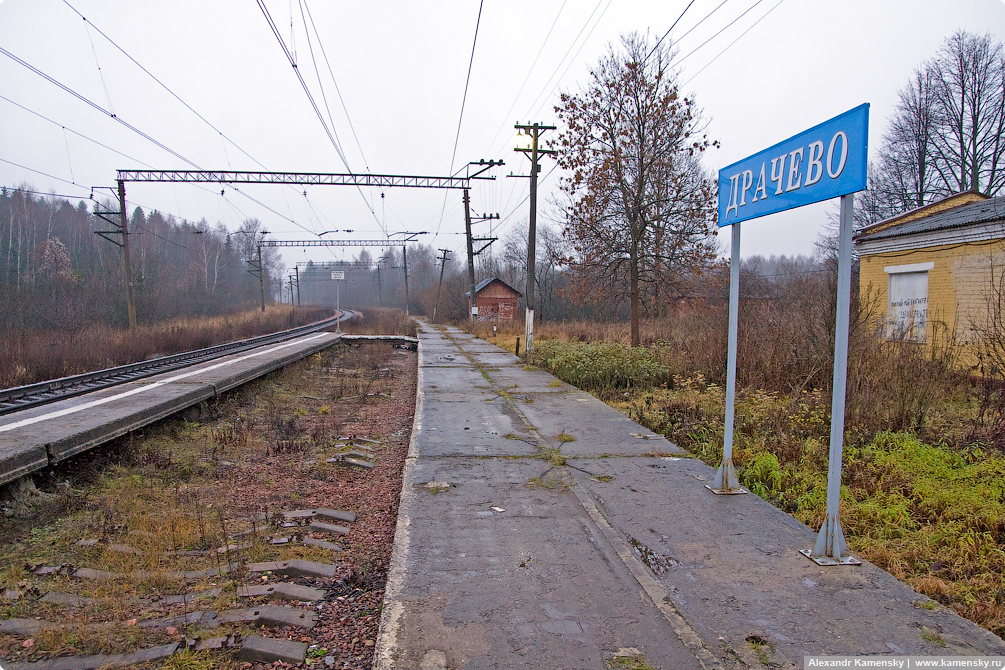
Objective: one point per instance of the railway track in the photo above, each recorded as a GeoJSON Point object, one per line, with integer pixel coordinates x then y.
{"type": "Point", "coordinates": [32, 395]}
{"type": "Point", "coordinates": [259, 534]}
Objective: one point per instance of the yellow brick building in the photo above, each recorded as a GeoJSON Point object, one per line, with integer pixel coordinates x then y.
{"type": "Point", "coordinates": [932, 267]}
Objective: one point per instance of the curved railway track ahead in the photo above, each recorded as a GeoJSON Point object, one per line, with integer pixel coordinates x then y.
{"type": "Point", "coordinates": [32, 395]}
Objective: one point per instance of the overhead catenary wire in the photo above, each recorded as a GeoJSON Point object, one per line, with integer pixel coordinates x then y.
{"type": "Point", "coordinates": [162, 84]}
{"type": "Point", "coordinates": [44, 174]}
{"type": "Point", "coordinates": [460, 118]}
{"type": "Point", "coordinates": [317, 72]}
{"type": "Point", "coordinates": [324, 98]}
{"type": "Point", "coordinates": [345, 109]}
{"type": "Point", "coordinates": [672, 26]}
{"type": "Point", "coordinates": [330, 132]}
{"type": "Point", "coordinates": [223, 137]}
{"type": "Point", "coordinates": [233, 187]}
{"type": "Point", "coordinates": [17, 189]}
{"type": "Point", "coordinates": [690, 53]}
{"type": "Point", "coordinates": [71, 130]}
{"type": "Point", "coordinates": [98, 107]}
{"type": "Point", "coordinates": [69, 162]}
{"type": "Point", "coordinates": [546, 92]}
{"type": "Point", "coordinates": [732, 43]}
{"type": "Point", "coordinates": [101, 75]}
{"type": "Point", "coordinates": [703, 19]}
{"type": "Point", "coordinates": [530, 71]}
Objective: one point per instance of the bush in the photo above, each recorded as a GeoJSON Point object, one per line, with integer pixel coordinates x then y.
{"type": "Point", "coordinates": [596, 366]}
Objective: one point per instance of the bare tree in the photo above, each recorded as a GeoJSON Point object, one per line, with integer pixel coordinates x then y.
{"type": "Point", "coordinates": [639, 206]}
{"type": "Point", "coordinates": [552, 249]}
{"type": "Point", "coordinates": [910, 138]}
{"type": "Point", "coordinates": [945, 135]}
{"type": "Point", "coordinates": [969, 76]}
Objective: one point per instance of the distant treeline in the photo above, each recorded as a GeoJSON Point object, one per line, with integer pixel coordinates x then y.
{"type": "Point", "coordinates": [56, 273]}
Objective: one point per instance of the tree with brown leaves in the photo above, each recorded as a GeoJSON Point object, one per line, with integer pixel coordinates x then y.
{"type": "Point", "coordinates": [639, 206]}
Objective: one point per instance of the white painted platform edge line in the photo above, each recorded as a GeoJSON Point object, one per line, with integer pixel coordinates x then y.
{"type": "Point", "coordinates": [393, 611]}
{"type": "Point", "coordinates": [681, 628]}
{"type": "Point", "coordinates": [148, 387]}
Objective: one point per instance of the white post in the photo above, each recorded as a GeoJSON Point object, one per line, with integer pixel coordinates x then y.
{"type": "Point", "coordinates": [528, 333]}
{"type": "Point", "coordinates": [830, 548]}
{"type": "Point", "coordinates": [338, 307]}
{"type": "Point", "coordinates": [725, 481]}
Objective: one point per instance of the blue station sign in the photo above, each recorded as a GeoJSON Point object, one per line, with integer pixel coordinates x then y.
{"type": "Point", "coordinates": [823, 162]}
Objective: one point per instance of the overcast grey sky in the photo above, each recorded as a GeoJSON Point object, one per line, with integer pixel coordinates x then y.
{"type": "Point", "coordinates": [400, 70]}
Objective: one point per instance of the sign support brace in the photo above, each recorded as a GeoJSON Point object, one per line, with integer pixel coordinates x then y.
{"type": "Point", "coordinates": [831, 548]}
{"type": "Point", "coordinates": [725, 482]}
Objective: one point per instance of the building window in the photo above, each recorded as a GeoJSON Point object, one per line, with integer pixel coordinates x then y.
{"type": "Point", "coordinates": [907, 306]}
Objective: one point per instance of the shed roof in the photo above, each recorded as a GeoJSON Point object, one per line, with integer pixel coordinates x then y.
{"type": "Point", "coordinates": [485, 282]}
{"type": "Point", "coordinates": [983, 211]}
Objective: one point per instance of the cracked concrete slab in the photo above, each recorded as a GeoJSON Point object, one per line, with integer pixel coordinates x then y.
{"type": "Point", "coordinates": [506, 558]}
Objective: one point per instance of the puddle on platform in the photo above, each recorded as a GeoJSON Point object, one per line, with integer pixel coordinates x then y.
{"type": "Point", "coordinates": [658, 563]}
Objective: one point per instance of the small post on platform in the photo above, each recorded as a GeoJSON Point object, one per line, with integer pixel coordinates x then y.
{"type": "Point", "coordinates": [725, 482]}
{"type": "Point", "coordinates": [830, 548]}
{"type": "Point", "coordinates": [338, 276]}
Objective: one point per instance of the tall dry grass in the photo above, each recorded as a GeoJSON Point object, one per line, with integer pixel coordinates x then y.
{"type": "Point", "coordinates": [786, 346]}
{"type": "Point", "coordinates": [34, 356]}
{"type": "Point", "coordinates": [380, 321]}
{"type": "Point", "coordinates": [924, 455]}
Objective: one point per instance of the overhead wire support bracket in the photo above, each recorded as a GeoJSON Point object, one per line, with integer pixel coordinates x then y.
{"type": "Point", "coordinates": [304, 178]}
{"type": "Point", "coordinates": [331, 243]}
{"type": "Point", "coordinates": [115, 222]}
{"type": "Point", "coordinates": [488, 243]}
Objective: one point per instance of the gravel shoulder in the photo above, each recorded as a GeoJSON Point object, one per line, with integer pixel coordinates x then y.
{"type": "Point", "coordinates": [207, 490]}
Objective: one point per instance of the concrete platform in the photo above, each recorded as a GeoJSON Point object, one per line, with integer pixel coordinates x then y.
{"type": "Point", "coordinates": [42, 436]}
{"type": "Point", "coordinates": [506, 558]}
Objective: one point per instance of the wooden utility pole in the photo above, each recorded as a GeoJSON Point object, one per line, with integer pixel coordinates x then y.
{"type": "Point", "coordinates": [404, 261]}
{"type": "Point", "coordinates": [471, 248]}
{"type": "Point", "coordinates": [443, 264]}
{"type": "Point", "coordinates": [471, 255]}
{"type": "Point", "coordinates": [533, 132]}
{"type": "Point", "coordinates": [126, 265]}
{"type": "Point", "coordinates": [261, 276]}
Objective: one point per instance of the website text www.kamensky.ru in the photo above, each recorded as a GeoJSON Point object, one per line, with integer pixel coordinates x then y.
{"type": "Point", "coordinates": [904, 662]}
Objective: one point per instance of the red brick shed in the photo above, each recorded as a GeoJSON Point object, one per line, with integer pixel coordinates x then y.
{"type": "Point", "coordinates": [495, 300]}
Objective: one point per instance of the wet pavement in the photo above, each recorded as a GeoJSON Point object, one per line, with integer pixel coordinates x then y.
{"type": "Point", "coordinates": [540, 528]}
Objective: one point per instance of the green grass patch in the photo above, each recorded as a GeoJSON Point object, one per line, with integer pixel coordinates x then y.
{"type": "Point", "coordinates": [930, 514]}
{"type": "Point", "coordinates": [595, 366]}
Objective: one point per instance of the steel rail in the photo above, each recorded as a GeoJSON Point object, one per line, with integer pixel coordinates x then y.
{"type": "Point", "coordinates": [32, 395]}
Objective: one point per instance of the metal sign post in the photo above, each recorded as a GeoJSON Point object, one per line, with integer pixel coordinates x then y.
{"type": "Point", "coordinates": [830, 548]}
{"type": "Point", "coordinates": [826, 161]}
{"type": "Point", "coordinates": [725, 482]}
{"type": "Point", "coordinates": [338, 276]}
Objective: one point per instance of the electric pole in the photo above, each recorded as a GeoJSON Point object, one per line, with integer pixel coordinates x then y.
{"type": "Point", "coordinates": [408, 237]}
{"type": "Point", "coordinates": [122, 229]}
{"type": "Point", "coordinates": [126, 265]}
{"type": "Point", "coordinates": [471, 255]}
{"type": "Point", "coordinates": [261, 276]}
{"type": "Point", "coordinates": [443, 264]}
{"type": "Point", "coordinates": [532, 132]}
{"type": "Point", "coordinates": [471, 248]}
{"type": "Point", "coordinates": [380, 286]}
{"type": "Point", "coordinates": [484, 165]}
{"type": "Point", "coordinates": [404, 261]}
{"type": "Point", "coordinates": [298, 285]}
